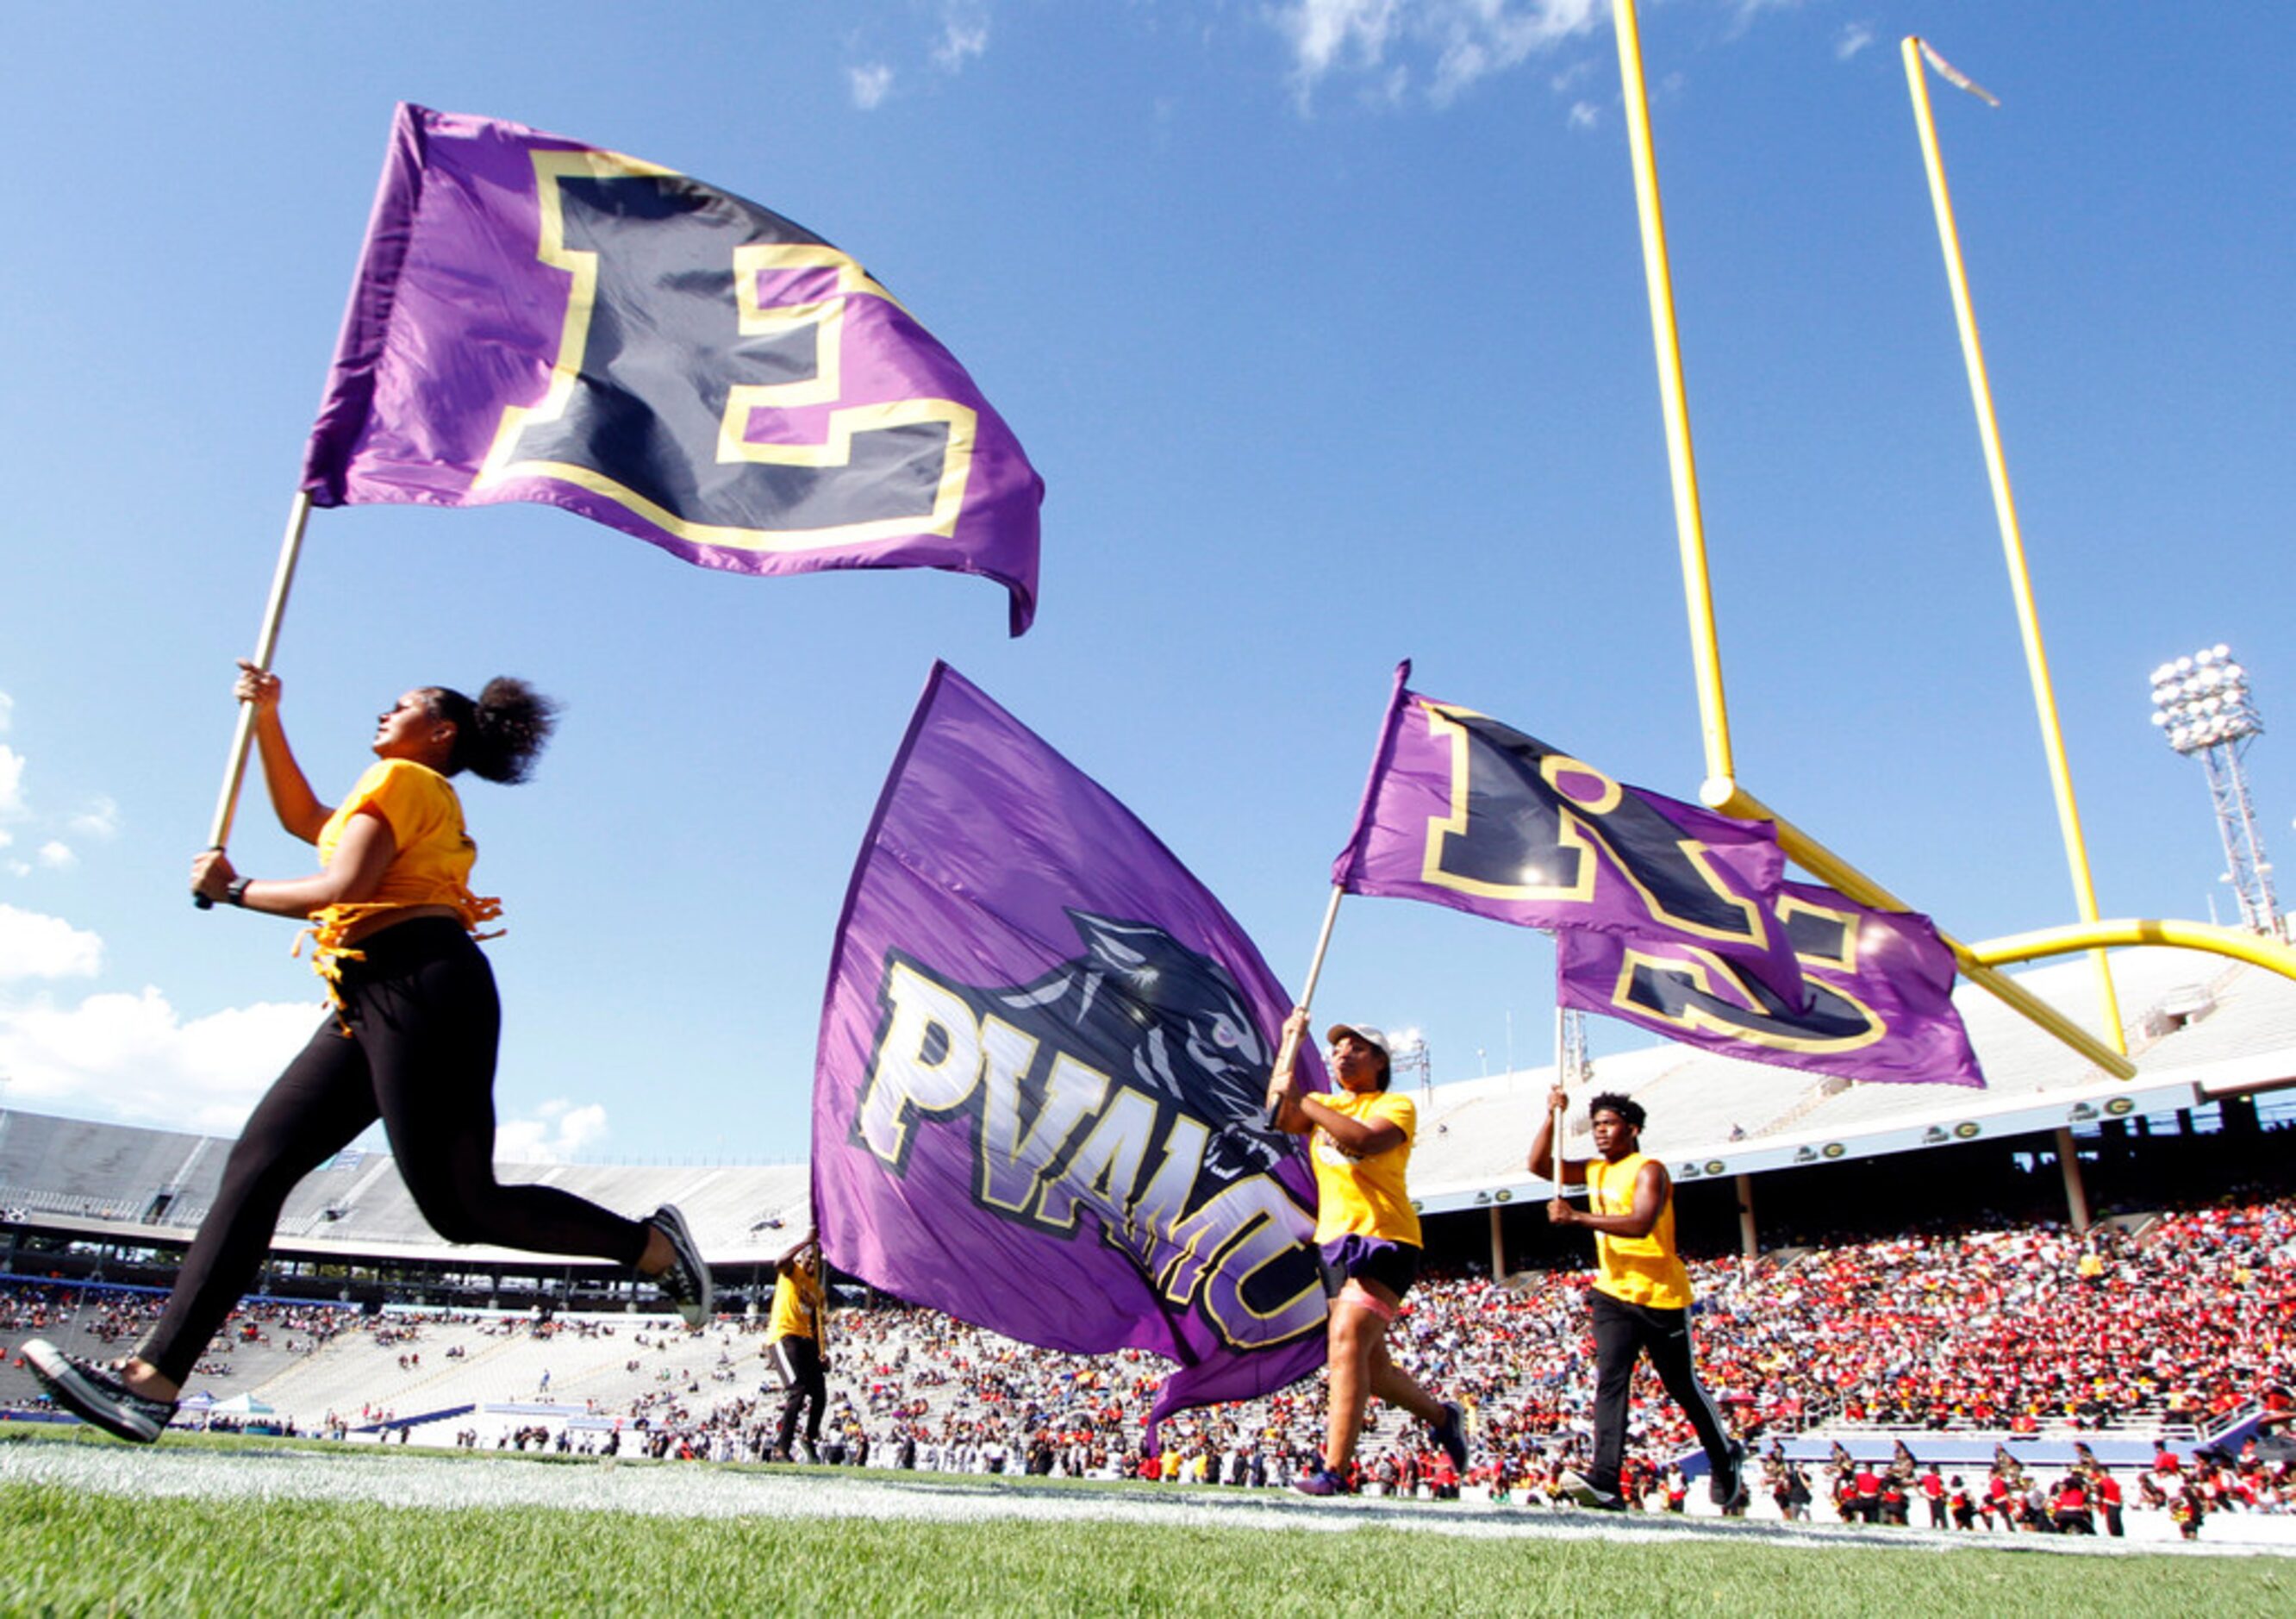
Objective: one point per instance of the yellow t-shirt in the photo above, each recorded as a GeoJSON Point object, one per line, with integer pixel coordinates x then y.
{"type": "Point", "coordinates": [1364, 1195]}
{"type": "Point", "coordinates": [797, 1307]}
{"type": "Point", "coordinates": [430, 863]}
{"type": "Point", "coordinates": [1635, 1269]}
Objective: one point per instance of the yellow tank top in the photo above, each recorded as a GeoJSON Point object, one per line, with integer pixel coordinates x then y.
{"type": "Point", "coordinates": [1635, 1269]}
{"type": "Point", "coordinates": [430, 863]}
{"type": "Point", "coordinates": [797, 1305]}
{"type": "Point", "coordinates": [1365, 1196]}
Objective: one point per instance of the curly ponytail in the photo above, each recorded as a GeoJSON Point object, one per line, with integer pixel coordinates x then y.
{"type": "Point", "coordinates": [499, 736]}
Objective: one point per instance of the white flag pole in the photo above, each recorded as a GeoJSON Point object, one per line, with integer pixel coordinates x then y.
{"type": "Point", "coordinates": [267, 643]}
{"type": "Point", "coordinates": [1279, 1077]}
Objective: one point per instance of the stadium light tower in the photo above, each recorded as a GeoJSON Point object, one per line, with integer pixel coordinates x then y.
{"type": "Point", "coordinates": [1409, 1055]}
{"type": "Point", "coordinates": [2201, 706]}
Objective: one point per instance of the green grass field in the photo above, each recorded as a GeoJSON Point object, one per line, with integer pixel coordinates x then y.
{"type": "Point", "coordinates": [75, 1551]}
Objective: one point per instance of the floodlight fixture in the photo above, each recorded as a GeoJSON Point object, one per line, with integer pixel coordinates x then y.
{"type": "Point", "coordinates": [2203, 707]}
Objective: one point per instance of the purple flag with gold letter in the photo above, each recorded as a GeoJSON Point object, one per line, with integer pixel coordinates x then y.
{"type": "Point", "coordinates": [535, 319]}
{"type": "Point", "coordinates": [1880, 1004]}
{"type": "Point", "coordinates": [1044, 1053]}
{"type": "Point", "coordinates": [1463, 811]}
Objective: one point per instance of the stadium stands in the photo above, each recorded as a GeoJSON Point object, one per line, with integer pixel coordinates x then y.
{"type": "Point", "coordinates": [132, 1185]}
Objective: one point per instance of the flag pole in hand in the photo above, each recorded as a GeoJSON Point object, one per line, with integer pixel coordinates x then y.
{"type": "Point", "coordinates": [267, 643]}
{"type": "Point", "coordinates": [1561, 1084]}
{"type": "Point", "coordinates": [1279, 1078]}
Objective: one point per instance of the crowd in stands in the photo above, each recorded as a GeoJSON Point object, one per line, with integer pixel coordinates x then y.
{"type": "Point", "coordinates": [2122, 1333]}
{"type": "Point", "coordinates": [2014, 1329]}
{"type": "Point", "coordinates": [120, 1316]}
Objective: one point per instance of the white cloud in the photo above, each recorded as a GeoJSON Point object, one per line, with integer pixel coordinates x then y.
{"type": "Point", "coordinates": [11, 785]}
{"type": "Point", "coordinates": [34, 946]}
{"type": "Point", "coordinates": [1467, 40]}
{"type": "Point", "coordinates": [1583, 115]}
{"type": "Point", "coordinates": [559, 1131]}
{"type": "Point", "coordinates": [7, 710]}
{"type": "Point", "coordinates": [870, 85]}
{"type": "Point", "coordinates": [99, 819]}
{"type": "Point", "coordinates": [131, 1058]}
{"type": "Point", "coordinates": [963, 36]}
{"type": "Point", "coordinates": [1854, 37]}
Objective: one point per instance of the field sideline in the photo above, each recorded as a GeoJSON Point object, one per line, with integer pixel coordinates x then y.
{"type": "Point", "coordinates": [259, 1526]}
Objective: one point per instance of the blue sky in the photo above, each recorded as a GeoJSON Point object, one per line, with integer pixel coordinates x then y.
{"type": "Point", "coordinates": [1325, 322]}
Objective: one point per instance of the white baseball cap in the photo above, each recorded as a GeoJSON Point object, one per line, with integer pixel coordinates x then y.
{"type": "Point", "coordinates": [1365, 1032]}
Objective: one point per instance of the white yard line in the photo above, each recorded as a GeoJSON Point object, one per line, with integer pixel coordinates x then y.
{"type": "Point", "coordinates": [396, 1478]}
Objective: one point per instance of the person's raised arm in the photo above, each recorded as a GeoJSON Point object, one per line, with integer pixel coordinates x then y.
{"type": "Point", "coordinates": [1297, 1112]}
{"type": "Point", "coordinates": [1542, 1144]}
{"type": "Point", "coordinates": [1283, 1086]}
{"type": "Point", "coordinates": [297, 807]}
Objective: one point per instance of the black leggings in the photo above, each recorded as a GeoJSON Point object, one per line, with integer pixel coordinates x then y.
{"type": "Point", "coordinates": [799, 1359]}
{"type": "Point", "coordinates": [420, 1055]}
{"type": "Point", "coordinates": [1623, 1333]}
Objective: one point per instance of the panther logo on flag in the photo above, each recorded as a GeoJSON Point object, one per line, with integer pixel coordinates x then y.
{"type": "Point", "coordinates": [1147, 1013]}
{"type": "Point", "coordinates": [1123, 1085]}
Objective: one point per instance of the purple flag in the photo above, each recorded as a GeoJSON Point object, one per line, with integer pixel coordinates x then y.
{"type": "Point", "coordinates": [1881, 993]}
{"type": "Point", "coordinates": [1463, 811]}
{"type": "Point", "coordinates": [1045, 1049]}
{"type": "Point", "coordinates": [535, 319]}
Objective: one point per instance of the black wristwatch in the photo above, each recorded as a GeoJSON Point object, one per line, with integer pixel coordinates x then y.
{"type": "Point", "coordinates": [236, 892]}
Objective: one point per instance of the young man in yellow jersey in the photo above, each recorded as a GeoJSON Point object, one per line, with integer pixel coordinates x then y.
{"type": "Point", "coordinates": [1641, 1299]}
{"type": "Point", "coordinates": [794, 1335]}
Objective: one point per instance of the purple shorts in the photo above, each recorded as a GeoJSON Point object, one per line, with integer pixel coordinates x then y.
{"type": "Point", "coordinates": [1394, 1266]}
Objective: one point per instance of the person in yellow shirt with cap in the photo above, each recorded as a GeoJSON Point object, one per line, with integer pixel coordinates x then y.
{"type": "Point", "coordinates": [1641, 1299]}
{"type": "Point", "coordinates": [796, 1334]}
{"type": "Point", "coordinates": [1369, 1235]}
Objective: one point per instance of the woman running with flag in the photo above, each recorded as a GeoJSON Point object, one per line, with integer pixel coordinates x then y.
{"type": "Point", "coordinates": [410, 1040]}
{"type": "Point", "coordinates": [1369, 1235]}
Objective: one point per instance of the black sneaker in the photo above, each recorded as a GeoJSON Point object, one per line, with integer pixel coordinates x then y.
{"type": "Point", "coordinates": [95, 1395]}
{"type": "Point", "coordinates": [1727, 1488]}
{"type": "Point", "coordinates": [686, 1282]}
{"type": "Point", "coordinates": [1451, 1433]}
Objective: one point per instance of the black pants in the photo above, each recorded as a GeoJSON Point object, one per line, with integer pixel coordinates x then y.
{"type": "Point", "coordinates": [800, 1360]}
{"type": "Point", "coordinates": [1623, 1333]}
{"type": "Point", "coordinates": [420, 1055]}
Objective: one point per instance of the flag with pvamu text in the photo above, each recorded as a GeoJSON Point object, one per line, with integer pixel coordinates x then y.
{"type": "Point", "coordinates": [1465, 811]}
{"type": "Point", "coordinates": [1038, 1092]}
{"type": "Point", "coordinates": [535, 319]}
